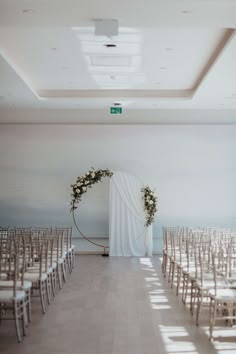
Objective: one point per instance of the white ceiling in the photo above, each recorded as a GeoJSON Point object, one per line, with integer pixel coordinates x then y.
{"type": "Point", "coordinates": [174, 62]}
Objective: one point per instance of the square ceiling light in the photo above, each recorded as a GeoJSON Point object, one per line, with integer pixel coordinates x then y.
{"type": "Point", "coordinates": [106, 27]}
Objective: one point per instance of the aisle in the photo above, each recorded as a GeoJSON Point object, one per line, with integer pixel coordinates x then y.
{"type": "Point", "coordinates": [116, 306]}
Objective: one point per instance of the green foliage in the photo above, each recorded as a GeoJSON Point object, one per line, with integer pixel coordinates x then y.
{"type": "Point", "coordinates": [94, 176]}
{"type": "Point", "coordinates": [84, 182]}
{"type": "Point", "coordinates": [150, 204]}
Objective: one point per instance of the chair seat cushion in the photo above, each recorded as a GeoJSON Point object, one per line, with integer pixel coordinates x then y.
{"type": "Point", "coordinates": [34, 276]}
{"type": "Point", "coordinates": [210, 284]}
{"type": "Point", "coordinates": [224, 294]}
{"type": "Point", "coordinates": [189, 270]}
{"type": "Point", "coordinates": [60, 260]}
{"type": "Point", "coordinates": [208, 276]}
{"type": "Point", "coordinates": [8, 296]}
{"type": "Point", "coordinates": [54, 265]}
{"type": "Point", "coordinates": [3, 276]}
{"type": "Point", "coordinates": [36, 270]}
{"type": "Point", "coordinates": [9, 283]}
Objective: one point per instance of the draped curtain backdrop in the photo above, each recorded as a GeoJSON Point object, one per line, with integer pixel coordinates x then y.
{"type": "Point", "coordinates": [128, 235]}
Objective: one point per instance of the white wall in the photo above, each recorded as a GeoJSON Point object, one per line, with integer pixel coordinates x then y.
{"type": "Point", "coordinates": [192, 168]}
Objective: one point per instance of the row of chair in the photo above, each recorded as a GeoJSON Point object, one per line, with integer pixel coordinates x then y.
{"type": "Point", "coordinates": [202, 263]}
{"type": "Point", "coordinates": [32, 260]}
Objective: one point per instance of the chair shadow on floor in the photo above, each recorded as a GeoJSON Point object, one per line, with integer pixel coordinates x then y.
{"type": "Point", "coordinates": [177, 329]}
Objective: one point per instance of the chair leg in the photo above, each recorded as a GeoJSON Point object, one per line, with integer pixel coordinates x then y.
{"type": "Point", "coordinates": [48, 281]}
{"type": "Point", "coordinates": [178, 279]}
{"type": "Point", "coordinates": [1, 313]}
{"type": "Point", "coordinates": [170, 269]}
{"type": "Point", "coordinates": [73, 259]}
{"type": "Point", "coordinates": [199, 301]}
{"type": "Point", "coordinates": [23, 316]}
{"type": "Point", "coordinates": [212, 315]}
{"type": "Point", "coordinates": [164, 261]}
{"type": "Point", "coordinates": [29, 305]}
{"type": "Point", "coordinates": [183, 286]}
{"type": "Point", "coordinates": [53, 283]}
{"type": "Point", "coordinates": [42, 295]}
{"type": "Point", "coordinates": [70, 261]}
{"type": "Point", "coordinates": [167, 266]}
{"type": "Point", "coordinates": [64, 271]}
{"type": "Point", "coordinates": [59, 276]}
{"type": "Point", "coordinates": [56, 279]}
{"type": "Point", "coordinates": [67, 263]}
{"type": "Point", "coordinates": [230, 313]}
{"type": "Point", "coordinates": [17, 321]}
{"type": "Point", "coordinates": [186, 291]}
{"type": "Point", "coordinates": [172, 275]}
{"type": "Point", "coordinates": [193, 293]}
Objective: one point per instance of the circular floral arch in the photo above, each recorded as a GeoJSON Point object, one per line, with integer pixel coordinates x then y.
{"type": "Point", "coordinates": [83, 183]}
{"type": "Point", "coordinates": [86, 181]}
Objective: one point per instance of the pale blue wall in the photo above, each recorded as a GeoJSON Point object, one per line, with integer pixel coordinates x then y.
{"type": "Point", "coordinates": [192, 168]}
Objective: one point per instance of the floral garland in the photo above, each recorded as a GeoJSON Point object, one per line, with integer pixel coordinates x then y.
{"type": "Point", "coordinates": [150, 204]}
{"type": "Point", "coordinates": [94, 176]}
{"type": "Point", "coordinates": [86, 181]}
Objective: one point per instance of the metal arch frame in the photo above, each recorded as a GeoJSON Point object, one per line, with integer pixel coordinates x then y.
{"type": "Point", "coordinates": [86, 238]}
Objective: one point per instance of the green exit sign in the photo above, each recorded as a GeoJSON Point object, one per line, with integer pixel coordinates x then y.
{"type": "Point", "coordinates": [116, 110]}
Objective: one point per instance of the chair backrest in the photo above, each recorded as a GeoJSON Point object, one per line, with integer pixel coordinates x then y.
{"type": "Point", "coordinates": [218, 274]}
{"type": "Point", "coordinates": [12, 261]}
{"type": "Point", "coordinates": [67, 232]}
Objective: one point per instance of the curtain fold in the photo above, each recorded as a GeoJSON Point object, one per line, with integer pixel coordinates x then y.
{"type": "Point", "coordinates": [128, 235]}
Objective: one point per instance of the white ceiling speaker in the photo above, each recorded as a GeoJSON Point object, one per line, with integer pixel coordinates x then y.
{"type": "Point", "coordinates": [108, 28]}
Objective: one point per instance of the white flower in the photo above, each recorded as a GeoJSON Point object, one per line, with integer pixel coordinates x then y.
{"type": "Point", "coordinates": [84, 182]}
{"type": "Point", "coordinates": [150, 202]}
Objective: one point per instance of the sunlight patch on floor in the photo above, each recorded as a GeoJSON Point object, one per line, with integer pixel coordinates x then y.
{"type": "Point", "coordinates": [151, 284]}
{"type": "Point", "coordinates": [154, 299]}
{"type": "Point", "coordinates": [176, 340]}
{"type": "Point", "coordinates": [158, 300]}
{"type": "Point", "coordinates": [160, 307]}
{"type": "Point", "coordinates": [151, 279]}
{"type": "Point", "coordinates": [158, 291]}
{"type": "Point", "coordinates": [224, 339]}
{"type": "Point", "coordinates": [149, 270]}
{"type": "Point", "coordinates": [146, 262]}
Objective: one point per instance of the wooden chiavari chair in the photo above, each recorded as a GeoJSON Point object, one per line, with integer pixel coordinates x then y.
{"type": "Point", "coordinates": [222, 301]}
{"type": "Point", "coordinates": [37, 270]}
{"type": "Point", "coordinates": [11, 298]}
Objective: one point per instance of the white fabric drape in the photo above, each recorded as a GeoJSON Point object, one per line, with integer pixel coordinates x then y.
{"type": "Point", "coordinates": [128, 235]}
{"type": "Point", "coordinates": [149, 241]}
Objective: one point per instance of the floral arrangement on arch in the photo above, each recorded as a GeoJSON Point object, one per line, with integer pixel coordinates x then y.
{"type": "Point", "coordinates": [150, 204]}
{"type": "Point", "coordinates": [86, 181]}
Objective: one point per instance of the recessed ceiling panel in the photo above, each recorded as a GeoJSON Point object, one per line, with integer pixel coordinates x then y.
{"type": "Point", "coordinates": [164, 58]}
{"type": "Point", "coordinates": [53, 58]}
{"type": "Point", "coordinates": [110, 60]}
